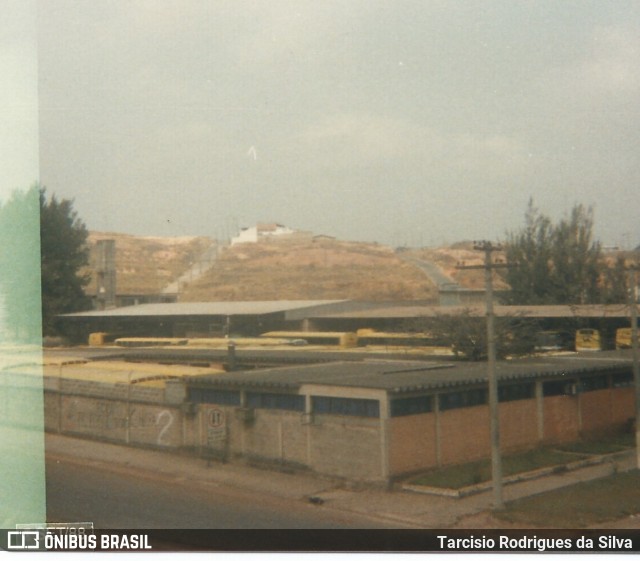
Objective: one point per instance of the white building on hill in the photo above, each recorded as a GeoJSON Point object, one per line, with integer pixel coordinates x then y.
{"type": "Point", "coordinates": [259, 232]}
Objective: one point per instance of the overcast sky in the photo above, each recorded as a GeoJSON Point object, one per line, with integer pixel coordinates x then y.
{"type": "Point", "coordinates": [18, 96]}
{"type": "Point", "coordinates": [401, 122]}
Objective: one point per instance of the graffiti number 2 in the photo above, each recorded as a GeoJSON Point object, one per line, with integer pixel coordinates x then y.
{"type": "Point", "coordinates": [165, 427]}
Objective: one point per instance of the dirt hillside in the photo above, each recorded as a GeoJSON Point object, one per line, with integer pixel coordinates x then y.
{"type": "Point", "coordinates": [145, 264]}
{"type": "Point", "coordinates": [325, 268]}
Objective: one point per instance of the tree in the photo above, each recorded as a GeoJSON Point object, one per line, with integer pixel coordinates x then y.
{"type": "Point", "coordinates": [555, 263]}
{"type": "Point", "coordinates": [467, 334]}
{"type": "Point", "coordinates": [64, 253]}
{"type": "Point", "coordinates": [616, 282]}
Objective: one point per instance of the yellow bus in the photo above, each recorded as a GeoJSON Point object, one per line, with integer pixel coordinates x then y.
{"type": "Point", "coordinates": [342, 339]}
{"type": "Point", "coordinates": [623, 338]}
{"type": "Point", "coordinates": [588, 340]}
{"type": "Point", "coordinates": [372, 338]}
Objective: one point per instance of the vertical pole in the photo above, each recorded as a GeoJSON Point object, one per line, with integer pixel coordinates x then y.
{"type": "Point", "coordinates": [127, 435]}
{"type": "Point", "coordinates": [436, 400]}
{"type": "Point", "coordinates": [633, 304]}
{"type": "Point", "coordinates": [496, 464]}
{"type": "Point", "coordinates": [385, 449]}
{"type": "Point", "coordinates": [60, 399]}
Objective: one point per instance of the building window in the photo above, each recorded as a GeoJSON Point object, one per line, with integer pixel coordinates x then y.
{"type": "Point", "coordinates": [346, 406]}
{"type": "Point", "coordinates": [219, 397]}
{"type": "Point", "coordinates": [513, 392]}
{"type": "Point", "coordinates": [559, 387]}
{"type": "Point", "coordinates": [457, 400]}
{"type": "Point", "coordinates": [622, 379]}
{"type": "Point", "coordinates": [284, 401]}
{"type": "Point", "coordinates": [593, 383]}
{"type": "Point", "coordinates": [411, 406]}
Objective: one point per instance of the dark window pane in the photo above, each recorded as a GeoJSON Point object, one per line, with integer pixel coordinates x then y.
{"type": "Point", "coordinates": [286, 402]}
{"type": "Point", "coordinates": [623, 379]}
{"type": "Point", "coordinates": [512, 392]}
{"type": "Point", "coordinates": [559, 387]}
{"type": "Point", "coordinates": [456, 400]}
{"type": "Point", "coordinates": [220, 397]}
{"type": "Point", "coordinates": [594, 383]}
{"type": "Point", "coordinates": [411, 406]}
{"type": "Point", "coordinates": [346, 406]}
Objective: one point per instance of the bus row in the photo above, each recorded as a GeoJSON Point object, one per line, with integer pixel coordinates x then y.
{"type": "Point", "coordinates": [583, 340]}
{"type": "Point", "coordinates": [332, 339]}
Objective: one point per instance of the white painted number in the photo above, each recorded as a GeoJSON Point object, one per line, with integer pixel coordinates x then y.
{"type": "Point", "coordinates": [169, 421]}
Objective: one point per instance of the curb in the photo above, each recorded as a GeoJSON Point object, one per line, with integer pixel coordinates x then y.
{"type": "Point", "coordinates": [517, 478]}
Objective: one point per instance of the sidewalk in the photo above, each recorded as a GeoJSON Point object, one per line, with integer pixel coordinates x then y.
{"type": "Point", "coordinates": [412, 510]}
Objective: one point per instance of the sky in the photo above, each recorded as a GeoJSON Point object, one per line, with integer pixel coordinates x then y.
{"type": "Point", "coordinates": [19, 148]}
{"type": "Point", "coordinates": [412, 122]}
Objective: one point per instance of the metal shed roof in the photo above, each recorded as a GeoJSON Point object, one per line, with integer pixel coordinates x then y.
{"type": "Point", "coordinates": [204, 309]}
{"type": "Point", "coordinates": [408, 376]}
{"type": "Point", "coordinates": [560, 311]}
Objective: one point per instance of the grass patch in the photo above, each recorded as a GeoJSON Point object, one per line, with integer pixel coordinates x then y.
{"type": "Point", "coordinates": [455, 477]}
{"type": "Point", "coordinates": [609, 445]}
{"type": "Point", "coordinates": [580, 505]}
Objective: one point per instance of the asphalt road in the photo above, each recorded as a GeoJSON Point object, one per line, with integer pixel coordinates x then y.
{"type": "Point", "coordinates": [115, 500]}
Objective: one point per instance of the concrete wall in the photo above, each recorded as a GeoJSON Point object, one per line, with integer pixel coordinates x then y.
{"type": "Point", "coordinates": [347, 447]}
{"type": "Point", "coordinates": [134, 415]}
{"type": "Point", "coordinates": [358, 448]}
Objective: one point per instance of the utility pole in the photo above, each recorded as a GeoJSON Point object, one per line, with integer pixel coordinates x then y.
{"type": "Point", "coordinates": [633, 313]}
{"type": "Point", "coordinates": [496, 460]}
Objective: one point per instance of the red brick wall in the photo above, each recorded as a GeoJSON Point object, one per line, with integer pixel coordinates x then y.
{"type": "Point", "coordinates": [561, 418]}
{"type": "Point", "coordinates": [595, 408]}
{"type": "Point", "coordinates": [518, 424]}
{"type": "Point", "coordinates": [622, 405]}
{"type": "Point", "coordinates": [464, 434]}
{"type": "Point", "coordinates": [412, 443]}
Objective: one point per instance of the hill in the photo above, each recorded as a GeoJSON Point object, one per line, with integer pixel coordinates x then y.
{"type": "Point", "coordinates": [146, 264]}
{"type": "Point", "coordinates": [462, 253]}
{"type": "Point", "coordinates": [320, 268]}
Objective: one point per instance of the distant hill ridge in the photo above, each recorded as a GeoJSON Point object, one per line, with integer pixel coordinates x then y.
{"type": "Point", "coordinates": [300, 266]}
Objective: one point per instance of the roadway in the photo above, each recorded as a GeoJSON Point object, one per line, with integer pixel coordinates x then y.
{"type": "Point", "coordinates": [133, 499]}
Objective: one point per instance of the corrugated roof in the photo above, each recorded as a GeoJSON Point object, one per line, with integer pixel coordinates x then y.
{"type": "Point", "coordinates": [204, 308]}
{"type": "Point", "coordinates": [407, 376]}
{"type": "Point", "coordinates": [561, 311]}
{"type": "Point", "coordinates": [113, 372]}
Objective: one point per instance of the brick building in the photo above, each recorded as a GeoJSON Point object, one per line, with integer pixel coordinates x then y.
{"type": "Point", "coordinates": [379, 420]}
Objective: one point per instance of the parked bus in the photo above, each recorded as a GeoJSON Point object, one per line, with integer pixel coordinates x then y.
{"type": "Point", "coordinates": [342, 339]}
{"type": "Point", "coordinates": [553, 341]}
{"type": "Point", "coordinates": [588, 340]}
{"type": "Point", "coordinates": [623, 338]}
{"type": "Point", "coordinates": [372, 338]}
